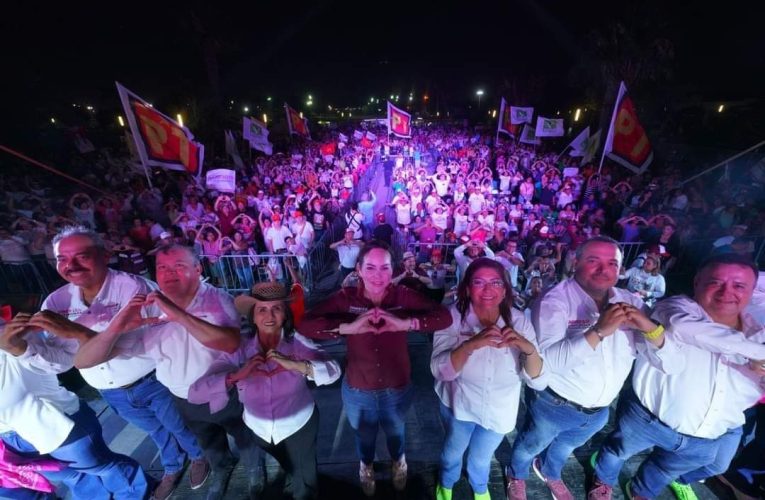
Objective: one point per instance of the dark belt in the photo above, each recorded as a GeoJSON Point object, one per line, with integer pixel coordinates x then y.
{"type": "Point", "coordinates": [136, 382]}
{"type": "Point", "coordinates": [576, 406]}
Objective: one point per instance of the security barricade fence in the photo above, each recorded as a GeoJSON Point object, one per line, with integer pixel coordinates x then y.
{"type": "Point", "coordinates": [28, 277]}
{"type": "Point", "coordinates": [237, 273]}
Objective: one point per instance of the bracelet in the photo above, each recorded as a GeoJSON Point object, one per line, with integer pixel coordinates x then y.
{"type": "Point", "coordinates": [597, 332]}
{"type": "Point", "coordinates": [655, 333]}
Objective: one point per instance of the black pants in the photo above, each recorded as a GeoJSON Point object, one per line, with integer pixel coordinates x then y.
{"type": "Point", "coordinates": [211, 429]}
{"type": "Point", "coordinates": [297, 456]}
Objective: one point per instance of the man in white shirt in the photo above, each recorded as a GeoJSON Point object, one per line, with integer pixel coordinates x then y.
{"type": "Point", "coordinates": [276, 235]}
{"type": "Point", "coordinates": [511, 259]}
{"type": "Point", "coordinates": [128, 384]}
{"type": "Point", "coordinates": [692, 417]}
{"type": "Point", "coordinates": [39, 417]}
{"type": "Point", "coordinates": [347, 251]}
{"type": "Point", "coordinates": [189, 325]}
{"type": "Point", "coordinates": [586, 331]}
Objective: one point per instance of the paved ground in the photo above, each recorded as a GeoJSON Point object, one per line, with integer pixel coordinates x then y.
{"type": "Point", "coordinates": [338, 464]}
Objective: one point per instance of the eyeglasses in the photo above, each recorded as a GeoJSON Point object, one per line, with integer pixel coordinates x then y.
{"type": "Point", "coordinates": [479, 283]}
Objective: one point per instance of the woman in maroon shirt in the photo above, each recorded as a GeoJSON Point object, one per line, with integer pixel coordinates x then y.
{"type": "Point", "coordinates": [377, 389]}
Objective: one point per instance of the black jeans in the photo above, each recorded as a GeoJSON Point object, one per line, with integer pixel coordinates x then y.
{"type": "Point", "coordinates": [297, 456]}
{"type": "Point", "coordinates": [211, 429]}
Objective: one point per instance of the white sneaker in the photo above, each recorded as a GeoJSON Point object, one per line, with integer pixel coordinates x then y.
{"type": "Point", "coordinates": [399, 474]}
{"type": "Point", "coordinates": [367, 479]}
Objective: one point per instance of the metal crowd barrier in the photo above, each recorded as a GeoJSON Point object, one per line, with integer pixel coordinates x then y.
{"type": "Point", "coordinates": [237, 273]}
{"type": "Point", "coordinates": [30, 276]}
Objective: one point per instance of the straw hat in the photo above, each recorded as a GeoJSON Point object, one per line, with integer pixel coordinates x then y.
{"type": "Point", "coordinates": [266, 291]}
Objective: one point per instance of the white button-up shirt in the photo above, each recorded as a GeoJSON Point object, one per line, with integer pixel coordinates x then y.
{"type": "Point", "coordinates": [115, 293]}
{"type": "Point", "coordinates": [277, 402]}
{"type": "Point", "coordinates": [180, 358]}
{"type": "Point", "coordinates": [708, 397]}
{"type": "Point", "coordinates": [487, 389]}
{"type": "Point", "coordinates": [32, 403]}
{"type": "Point", "coordinates": [576, 371]}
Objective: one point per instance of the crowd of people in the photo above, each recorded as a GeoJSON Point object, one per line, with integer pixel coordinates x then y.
{"type": "Point", "coordinates": [508, 256]}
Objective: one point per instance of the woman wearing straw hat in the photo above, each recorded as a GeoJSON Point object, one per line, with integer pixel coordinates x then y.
{"type": "Point", "coordinates": [270, 372]}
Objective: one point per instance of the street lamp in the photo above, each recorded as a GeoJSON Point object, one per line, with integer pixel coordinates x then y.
{"type": "Point", "coordinates": [479, 93]}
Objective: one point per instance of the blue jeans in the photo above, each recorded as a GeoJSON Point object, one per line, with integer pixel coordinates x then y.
{"type": "Point", "coordinates": [25, 494]}
{"type": "Point", "coordinates": [480, 443]}
{"type": "Point", "coordinates": [94, 471]}
{"type": "Point", "coordinates": [149, 406]}
{"type": "Point", "coordinates": [368, 410]}
{"type": "Point", "coordinates": [675, 456]}
{"type": "Point", "coordinates": [554, 428]}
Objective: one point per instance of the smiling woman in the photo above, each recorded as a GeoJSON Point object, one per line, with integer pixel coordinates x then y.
{"type": "Point", "coordinates": [375, 318]}
{"type": "Point", "coordinates": [481, 361]}
{"type": "Point", "coordinates": [269, 372]}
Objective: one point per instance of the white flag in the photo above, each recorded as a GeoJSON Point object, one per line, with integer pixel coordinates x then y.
{"type": "Point", "coordinates": [256, 133]}
{"type": "Point", "coordinates": [591, 148]}
{"type": "Point", "coordinates": [527, 136]}
{"type": "Point", "coordinates": [371, 136]}
{"type": "Point", "coordinates": [232, 150]}
{"type": "Point", "coordinates": [520, 114]}
{"type": "Point", "coordinates": [358, 135]}
{"type": "Point", "coordinates": [579, 144]}
{"type": "Point", "coordinates": [549, 127]}
{"type": "Point", "coordinates": [342, 137]}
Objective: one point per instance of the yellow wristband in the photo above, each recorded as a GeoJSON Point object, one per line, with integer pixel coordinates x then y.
{"type": "Point", "coordinates": [655, 333]}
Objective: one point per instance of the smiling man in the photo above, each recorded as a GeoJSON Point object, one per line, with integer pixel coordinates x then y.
{"type": "Point", "coordinates": [692, 417]}
{"type": "Point", "coordinates": [589, 333]}
{"type": "Point", "coordinates": [91, 299]}
{"type": "Point", "coordinates": [185, 326]}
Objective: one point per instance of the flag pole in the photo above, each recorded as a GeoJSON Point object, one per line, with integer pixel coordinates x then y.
{"type": "Point", "coordinates": [611, 126]}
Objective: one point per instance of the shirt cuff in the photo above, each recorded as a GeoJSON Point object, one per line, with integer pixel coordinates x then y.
{"type": "Point", "coordinates": [321, 375]}
{"type": "Point", "coordinates": [446, 368]}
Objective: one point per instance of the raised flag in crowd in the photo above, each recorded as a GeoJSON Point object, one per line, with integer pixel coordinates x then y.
{"type": "Point", "coordinates": [399, 122]}
{"type": "Point", "coordinates": [579, 143]}
{"type": "Point", "coordinates": [591, 148]}
{"type": "Point", "coordinates": [505, 123]}
{"type": "Point", "coordinates": [256, 133]}
{"type": "Point", "coordinates": [370, 136]}
{"type": "Point", "coordinates": [627, 143]}
{"type": "Point", "coordinates": [358, 135]}
{"type": "Point", "coordinates": [297, 124]}
{"type": "Point", "coordinates": [527, 136]}
{"type": "Point", "coordinates": [160, 141]}
{"type": "Point", "coordinates": [342, 137]}
{"type": "Point", "coordinates": [549, 127]}
{"type": "Point", "coordinates": [81, 141]}
{"type": "Point", "coordinates": [232, 150]}
{"type": "Point", "coordinates": [520, 114]}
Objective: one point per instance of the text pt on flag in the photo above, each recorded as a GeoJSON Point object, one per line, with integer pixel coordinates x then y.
{"type": "Point", "coordinates": [297, 124]}
{"type": "Point", "coordinates": [399, 122]}
{"type": "Point", "coordinates": [160, 141]}
{"type": "Point", "coordinates": [627, 143]}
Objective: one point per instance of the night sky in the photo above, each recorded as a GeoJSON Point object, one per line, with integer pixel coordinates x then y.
{"type": "Point", "coordinates": [344, 52]}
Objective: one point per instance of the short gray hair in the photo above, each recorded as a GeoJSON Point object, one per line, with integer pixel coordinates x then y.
{"type": "Point", "coordinates": [68, 231]}
{"type": "Point", "coordinates": [598, 239]}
